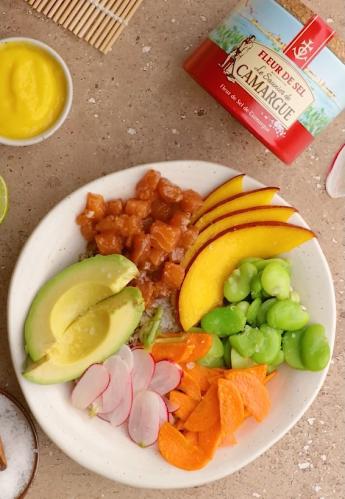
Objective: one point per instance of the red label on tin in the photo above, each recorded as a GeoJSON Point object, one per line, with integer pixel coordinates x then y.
{"type": "Point", "coordinates": [309, 42]}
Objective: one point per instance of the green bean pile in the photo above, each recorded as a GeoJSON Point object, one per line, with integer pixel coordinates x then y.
{"type": "Point", "coordinates": [263, 321]}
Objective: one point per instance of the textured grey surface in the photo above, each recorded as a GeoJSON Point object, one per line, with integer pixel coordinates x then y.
{"type": "Point", "coordinates": [134, 106]}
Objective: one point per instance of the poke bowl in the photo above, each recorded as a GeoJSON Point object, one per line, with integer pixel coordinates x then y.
{"type": "Point", "coordinates": [93, 442]}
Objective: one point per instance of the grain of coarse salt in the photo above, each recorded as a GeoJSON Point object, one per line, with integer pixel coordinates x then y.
{"type": "Point", "coordinates": [20, 449]}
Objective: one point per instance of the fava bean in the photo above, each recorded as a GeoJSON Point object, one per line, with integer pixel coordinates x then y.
{"type": "Point", "coordinates": [253, 311]}
{"type": "Point", "coordinates": [248, 342]}
{"type": "Point", "coordinates": [315, 349]}
{"type": "Point", "coordinates": [261, 264]}
{"type": "Point", "coordinates": [215, 352]}
{"type": "Point", "coordinates": [287, 315]}
{"type": "Point", "coordinates": [270, 347]}
{"type": "Point", "coordinates": [236, 287]}
{"type": "Point", "coordinates": [275, 280]}
{"type": "Point", "coordinates": [239, 362]}
{"type": "Point", "coordinates": [262, 313]}
{"type": "Point", "coordinates": [256, 287]}
{"type": "Point", "coordinates": [224, 321]}
{"type": "Point", "coordinates": [251, 259]}
{"type": "Point", "coordinates": [215, 362]}
{"type": "Point", "coordinates": [292, 349]}
{"type": "Point", "coordinates": [277, 362]}
{"type": "Point", "coordinates": [248, 270]}
{"type": "Point", "coordinates": [243, 306]}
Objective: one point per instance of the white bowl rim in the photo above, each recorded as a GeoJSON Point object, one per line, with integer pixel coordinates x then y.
{"type": "Point", "coordinates": [69, 97]}
{"type": "Point", "coordinates": [193, 482]}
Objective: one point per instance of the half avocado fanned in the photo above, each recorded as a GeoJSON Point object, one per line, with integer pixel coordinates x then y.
{"type": "Point", "coordinates": [69, 294]}
{"type": "Point", "coordinates": [91, 338]}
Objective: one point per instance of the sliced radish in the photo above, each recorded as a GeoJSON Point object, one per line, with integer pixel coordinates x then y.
{"type": "Point", "coordinates": [143, 369]}
{"type": "Point", "coordinates": [144, 422]}
{"type": "Point", "coordinates": [91, 385]}
{"type": "Point", "coordinates": [121, 413]}
{"type": "Point", "coordinates": [171, 418]}
{"type": "Point", "coordinates": [119, 382]}
{"type": "Point", "coordinates": [126, 354]}
{"type": "Point", "coordinates": [97, 406]}
{"type": "Point", "coordinates": [171, 406]}
{"type": "Point", "coordinates": [335, 184]}
{"type": "Point", "coordinates": [163, 412]}
{"type": "Point", "coordinates": [167, 376]}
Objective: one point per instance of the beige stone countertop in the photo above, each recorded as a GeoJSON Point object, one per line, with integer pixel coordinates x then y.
{"type": "Point", "coordinates": [136, 105]}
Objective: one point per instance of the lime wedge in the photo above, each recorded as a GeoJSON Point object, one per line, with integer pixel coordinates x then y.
{"type": "Point", "coordinates": [3, 199]}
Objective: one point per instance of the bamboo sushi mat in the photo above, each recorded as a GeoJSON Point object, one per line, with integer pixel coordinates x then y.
{"type": "Point", "coordinates": [99, 22]}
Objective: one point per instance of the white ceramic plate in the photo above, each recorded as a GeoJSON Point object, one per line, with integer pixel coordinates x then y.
{"type": "Point", "coordinates": [55, 243]}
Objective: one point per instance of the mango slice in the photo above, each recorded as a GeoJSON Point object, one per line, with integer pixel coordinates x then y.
{"type": "Point", "coordinates": [202, 288]}
{"type": "Point", "coordinates": [225, 191]}
{"type": "Point", "coordinates": [255, 214]}
{"type": "Point", "coordinates": [239, 202]}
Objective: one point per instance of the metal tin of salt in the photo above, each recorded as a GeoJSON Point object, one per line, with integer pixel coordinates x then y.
{"type": "Point", "coordinates": [278, 68]}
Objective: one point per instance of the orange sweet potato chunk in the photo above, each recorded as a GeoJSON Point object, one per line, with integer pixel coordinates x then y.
{"type": "Point", "coordinates": [210, 440]}
{"type": "Point", "coordinates": [206, 414]}
{"type": "Point", "coordinates": [180, 451]}
{"type": "Point", "coordinates": [185, 404]}
{"type": "Point", "coordinates": [231, 406]}
{"type": "Point", "coordinates": [254, 394]}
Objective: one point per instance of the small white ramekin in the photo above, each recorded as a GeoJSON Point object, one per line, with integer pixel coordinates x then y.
{"type": "Point", "coordinates": [69, 97]}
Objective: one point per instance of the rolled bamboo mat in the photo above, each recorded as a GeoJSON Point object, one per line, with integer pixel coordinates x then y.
{"type": "Point", "coordinates": [99, 22]}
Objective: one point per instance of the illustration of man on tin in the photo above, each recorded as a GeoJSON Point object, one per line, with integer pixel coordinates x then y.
{"type": "Point", "coordinates": [237, 52]}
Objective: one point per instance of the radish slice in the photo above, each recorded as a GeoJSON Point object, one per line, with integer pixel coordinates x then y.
{"type": "Point", "coordinates": [93, 383]}
{"type": "Point", "coordinates": [171, 406]}
{"type": "Point", "coordinates": [163, 412]}
{"type": "Point", "coordinates": [122, 411]}
{"type": "Point", "coordinates": [126, 354]}
{"type": "Point", "coordinates": [143, 423]}
{"type": "Point", "coordinates": [143, 369]}
{"type": "Point", "coordinates": [167, 376]}
{"type": "Point", "coordinates": [335, 184]}
{"type": "Point", "coordinates": [171, 419]}
{"type": "Point", "coordinates": [119, 381]}
{"type": "Point", "coordinates": [97, 406]}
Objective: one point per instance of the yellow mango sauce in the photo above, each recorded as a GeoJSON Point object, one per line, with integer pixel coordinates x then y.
{"type": "Point", "coordinates": [33, 90]}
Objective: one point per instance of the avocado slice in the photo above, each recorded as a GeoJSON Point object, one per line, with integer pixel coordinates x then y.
{"type": "Point", "coordinates": [69, 294]}
{"type": "Point", "coordinates": [90, 339]}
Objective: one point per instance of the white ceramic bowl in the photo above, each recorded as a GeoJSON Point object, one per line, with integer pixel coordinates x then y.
{"type": "Point", "coordinates": [55, 243]}
{"type": "Point", "coordinates": [69, 97]}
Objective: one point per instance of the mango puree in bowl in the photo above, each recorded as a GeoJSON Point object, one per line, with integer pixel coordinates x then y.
{"type": "Point", "coordinates": [35, 91]}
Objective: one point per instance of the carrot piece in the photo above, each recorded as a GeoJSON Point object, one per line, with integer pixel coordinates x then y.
{"type": "Point", "coordinates": [246, 413]}
{"type": "Point", "coordinates": [185, 404]}
{"type": "Point", "coordinates": [200, 374]}
{"type": "Point", "coordinates": [231, 406]}
{"type": "Point", "coordinates": [178, 450]}
{"type": "Point", "coordinates": [254, 394]}
{"type": "Point", "coordinates": [192, 436]}
{"type": "Point", "coordinates": [206, 413]}
{"type": "Point", "coordinates": [202, 342]}
{"type": "Point", "coordinates": [259, 371]}
{"type": "Point", "coordinates": [270, 376]}
{"type": "Point", "coordinates": [228, 440]}
{"type": "Point", "coordinates": [210, 440]}
{"type": "Point", "coordinates": [174, 351]}
{"type": "Point", "coordinates": [190, 387]}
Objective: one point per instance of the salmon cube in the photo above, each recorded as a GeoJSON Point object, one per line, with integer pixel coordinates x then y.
{"type": "Point", "coordinates": [164, 236]}
{"type": "Point", "coordinates": [173, 275]}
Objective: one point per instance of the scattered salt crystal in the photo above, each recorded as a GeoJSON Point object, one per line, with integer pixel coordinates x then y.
{"type": "Point", "coordinates": [321, 422]}
{"type": "Point", "coordinates": [330, 20]}
{"type": "Point", "coordinates": [146, 49]}
{"type": "Point", "coordinates": [304, 466]}
{"type": "Point", "coordinates": [174, 131]}
{"type": "Point", "coordinates": [92, 100]}
{"type": "Point", "coordinates": [255, 494]}
{"type": "Point", "coordinates": [323, 457]}
{"type": "Point", "coordinates": [334, 241]}
{"type": "Point", "coordinates": [306, 447]}
{"type": "Point", "coordinates": [96, 115]}
{"type": "Point", "coordinates": [173, 20]}
{"type": "Point", "coordinates": [89, 214]}
{"type": "Point", "coordinates": [317, 488]}
{"type": "Point", "coordinates": [19, 446]}
{"type": "Point", "coordinates": [318, 186]}
{"type": "Point", "coordinates": [131, 131]}
{"type": "Point", "coordinates": [309, 442]}
{"type": "Point", "coordinates": [311, 421]}
{"type": "Point", "coordinates": [204, 19]}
